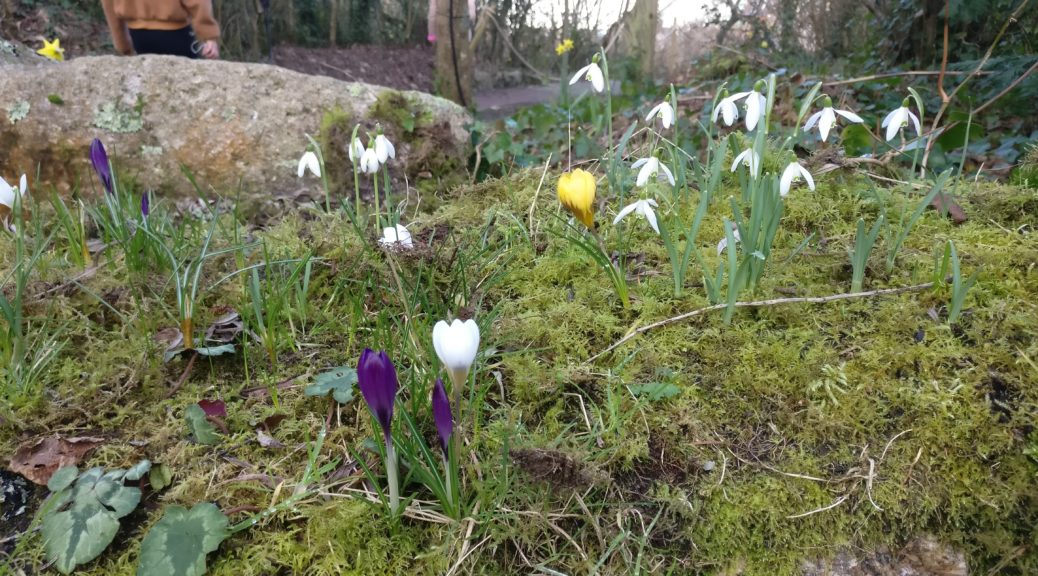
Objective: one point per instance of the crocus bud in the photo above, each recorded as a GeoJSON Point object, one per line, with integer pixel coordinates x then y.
{"type": "Point", "coordinates": [456, 345]}
{"type": "Point", "coordinates": [376, 378]}
{"type": "Point", "coordinates": [442, 417]}
{"type": "Point", "coordinates": [577, 194]}
{"type": "Point", "coordinates": [99, 158]}
{"type": "Point", "coordinates": [145, 205]}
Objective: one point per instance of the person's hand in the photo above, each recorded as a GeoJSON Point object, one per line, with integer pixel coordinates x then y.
{"type": "Point", "coordinates": [210, 49]}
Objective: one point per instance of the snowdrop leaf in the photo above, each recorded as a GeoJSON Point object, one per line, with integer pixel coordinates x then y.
{"type": "Point", "coordinates": [177, 545]}
{"type": "Point", "coordinates": [655, 391]}
{"type": "Point", "coordinates": [337, 381]}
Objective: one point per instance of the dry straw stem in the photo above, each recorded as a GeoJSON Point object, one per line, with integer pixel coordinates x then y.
{"type": "Point", "coordinates": [760, 304]}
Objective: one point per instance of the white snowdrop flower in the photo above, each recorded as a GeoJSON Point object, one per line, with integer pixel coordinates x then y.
{"type": "Point", "coordinates": [792, 173]}
{"type": "Point", "coordinates": [643, 208]}
{"type": "Point", "coordinates": [749, 158]}
{"type": "Point", "coordinates": [898, 119]}
{"type": "Point", "coordinates": [664, 111]}
{"type": "Point", "coordinates": [592, 73]}
{"type": "Point", "coordinates": [728, 110]}
{"type": "Point", "coordinates": [356, 150]}
{"type": "Point", "coordinates": [384, 149]}
{"type": "Point", "coordinates": [309, 162]}
{"type": "Point", "coordinates": [8, 195]}
{"type": "Point", "coordinates": [369, 161]}
{"type": "Point", "coordinates": [724, 241]}
{"type": "Point", "coordinates": [650, 167]}
{"type": "Point", "coordinates": [826, 118]}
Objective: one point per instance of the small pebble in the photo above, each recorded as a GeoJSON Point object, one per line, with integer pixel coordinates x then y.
{"type": "Point", "coordinates": [709, 465]}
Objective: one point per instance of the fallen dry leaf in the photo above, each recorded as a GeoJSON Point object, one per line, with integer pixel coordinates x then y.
{"type": "Point", "coordinates": [39, 459]}
{"type": "Point", "coordinates": [213, 408]}
{"type": "Point", "coordinates": [266, 440]}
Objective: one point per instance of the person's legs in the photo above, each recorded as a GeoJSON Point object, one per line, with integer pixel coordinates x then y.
{"type": "Point", "coordinates": [171, 42]}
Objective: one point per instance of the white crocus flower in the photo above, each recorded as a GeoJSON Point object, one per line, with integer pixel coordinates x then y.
{"type": "Point", "coordinates": [652, 167]}
{"type": "Point", "coordinates": [898, 119]}
{"type": "Point", "coordinates": [642, 207]}
{"type": "Point", "coordinates": [792, 173]}
{"type": "Point", "coordinates": [309, 162]}
{"type": "Point", "coordinates": [592, 73]}
{"type": "Point", "coordinates": [728, 111]}
{"type": "Point", "coordinates": [369, 161]}
{"type": "Point", "coordinates": [749, 158]}
{"type": "Point", "coordinates": [826, 118]}
{"type": "Point", "coordinates": [356, 150]}
{"type": "Point", "coordinates": [724, 241]}
{"type": "Point", "coordinates": [456, 345]}
{"type": "Point", "coordinates": [384, 149]}
{"type": "Point", "coordinates": [394, 235]}
{"type": "Point", "coordinates": [664, 111]}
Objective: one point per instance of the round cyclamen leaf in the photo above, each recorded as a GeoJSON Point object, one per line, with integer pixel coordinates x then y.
{"type": "Point", "coordinates": [138, 471]}
{"type": "Point", "coordinates": [178, 543]}
{"type": "Point", "coordinates": [63, 478]}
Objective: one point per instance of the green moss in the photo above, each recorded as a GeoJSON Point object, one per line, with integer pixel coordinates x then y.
{"type": "Point", "coordinates": [750, 465]}
{"type": "Point", "coordinates": [432, 152]}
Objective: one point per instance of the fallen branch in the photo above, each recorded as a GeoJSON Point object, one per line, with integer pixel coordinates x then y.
{"type": "Point", "coordinates": [761, 304]}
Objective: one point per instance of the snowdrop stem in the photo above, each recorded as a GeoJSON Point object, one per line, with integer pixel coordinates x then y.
{"type": "Point", "coordinates": [390, 218]}
{"type": "Point", "coordinates": [356, 190]}
{"type": "Point", "coordinates": [378, 211]}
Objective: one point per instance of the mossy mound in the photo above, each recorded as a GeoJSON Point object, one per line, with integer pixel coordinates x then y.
{"type": "Point", "coordinates": [698, 447]}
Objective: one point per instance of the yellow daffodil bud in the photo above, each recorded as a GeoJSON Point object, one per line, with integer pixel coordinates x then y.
{"type": "Point", "coordinates": [577, 194]}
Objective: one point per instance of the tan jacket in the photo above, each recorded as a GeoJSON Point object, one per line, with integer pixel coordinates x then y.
{"type": "Point", "coordinates": [158, 15]}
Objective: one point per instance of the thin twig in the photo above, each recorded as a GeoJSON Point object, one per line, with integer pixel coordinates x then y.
{"type": "Point", "coordinates": [838, 501]}
{"type": "Point", "coordinates": [976, 70]}
{"type": "Point", "coordinates": [760, 304]}
{"type": "Point", "coordinates": [533, 204]}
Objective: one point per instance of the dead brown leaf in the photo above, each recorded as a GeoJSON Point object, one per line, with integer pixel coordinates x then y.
{"type": "Point", "coordinates": [39, 459]}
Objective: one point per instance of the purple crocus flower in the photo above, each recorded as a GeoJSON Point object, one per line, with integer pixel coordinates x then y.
{"type": "Point", "coordinates": [441, 409]}
{"type": "Point", "coordinates": [145, 205]}
{"type": "Point", "coordinates": [376, 378]}
{"type": "Point", "coordinates": [99, 158]}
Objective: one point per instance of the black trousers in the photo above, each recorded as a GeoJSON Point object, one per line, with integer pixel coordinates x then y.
{"type": "Point", "coordinates": [171, 42]}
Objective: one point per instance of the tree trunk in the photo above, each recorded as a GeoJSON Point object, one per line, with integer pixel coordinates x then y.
{"type": "Point", "coordinates": [453, 57]}
{"type": "Point", "coordinates": [644, 24]}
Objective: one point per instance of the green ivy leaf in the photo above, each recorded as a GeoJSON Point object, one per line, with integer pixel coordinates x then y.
{"type": "Point", "coordinates": [85, 518]}
{"type": "Point", "coordinates": [199, 426]}
{"type": "Point", "coordinates": [178, 543]}
{"type": "Point", "coordinates": [339, 381]}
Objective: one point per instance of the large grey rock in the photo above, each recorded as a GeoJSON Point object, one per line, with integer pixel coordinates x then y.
{"type": "Point", "coordinates": [227, 122]}
{"type": "Point", "coordinates": [922, 556]}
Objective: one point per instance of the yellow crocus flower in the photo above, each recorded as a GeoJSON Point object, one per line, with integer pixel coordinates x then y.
{"type": "Point", "coordinates": [564, 46]}
{"type": "Point", "coordinates": [577, 194]}
{"type": "Point", "coordinates": [52, 50]}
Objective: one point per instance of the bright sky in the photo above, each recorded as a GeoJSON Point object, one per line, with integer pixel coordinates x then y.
{"type": "Point", "coordinates": [671, 11]}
